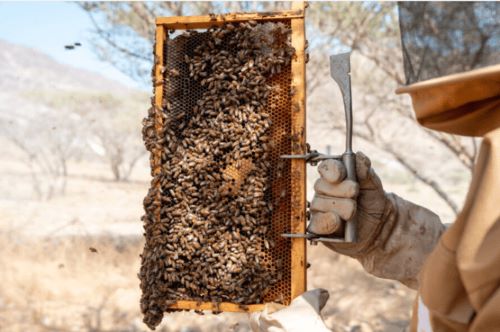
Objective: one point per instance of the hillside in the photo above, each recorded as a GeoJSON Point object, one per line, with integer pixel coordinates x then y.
{"type": "Point", "coordinates": [32, 82]}
{"type": "Point", "coordinates": [25, 68]}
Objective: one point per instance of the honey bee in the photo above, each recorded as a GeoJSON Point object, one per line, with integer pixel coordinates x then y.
{"type": "Point", "coordinates": [174, 72]}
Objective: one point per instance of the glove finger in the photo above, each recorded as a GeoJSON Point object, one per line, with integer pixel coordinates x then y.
{"type": "Point", "coordinates": [333, 171]}
{"type": "Point", "coordinates": [345, 189]}
{"type": "Point", "coordinates": [363, 165]}
{"type": "Point", "coordinates": [324, 223]}
{"type": "Point", "coordinates": [367, 178]}
{"type": "Point", "coordinates": [344, 207]}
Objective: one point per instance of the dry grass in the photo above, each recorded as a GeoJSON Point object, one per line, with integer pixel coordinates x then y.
{"type": "Point", "coordinates": [59, 284]}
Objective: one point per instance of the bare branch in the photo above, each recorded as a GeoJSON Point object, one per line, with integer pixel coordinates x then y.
{"type": "Point", "coordinates": [105, 36]}
{"type": "Point", "coordinates": [455, 147]}
{"type": "Point", "coordinates": [428, 181]}
{"type": "Point", "coordinates": [373, 139]}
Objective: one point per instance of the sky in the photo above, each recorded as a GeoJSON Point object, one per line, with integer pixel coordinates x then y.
{"type": "Point", "coordinates": [48, 26]}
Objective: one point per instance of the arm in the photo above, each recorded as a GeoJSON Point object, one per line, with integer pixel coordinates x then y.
{"type": "Point", "coordinates": [394, 236]}
{"type": "Point", "coordinates": [412, 238]}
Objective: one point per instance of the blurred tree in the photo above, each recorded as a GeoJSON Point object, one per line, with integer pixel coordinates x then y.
{"type": "Point", "coordinates": [124, 34]}
{"type": "Point", "coordinates": [114, 130]}
{"type": "Point", "coordinates": [118, 146]}
{"type": "Point", "coordinates": [47, 141]}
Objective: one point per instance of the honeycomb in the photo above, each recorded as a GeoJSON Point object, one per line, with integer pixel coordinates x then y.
{"type": "Point", "coordinates": [181, 94]}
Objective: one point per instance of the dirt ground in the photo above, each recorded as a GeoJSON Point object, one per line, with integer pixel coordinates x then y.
{"type": "Point", "coordinates": [58, 284]}
{"type": "Point", "coordinates": [52, 281]}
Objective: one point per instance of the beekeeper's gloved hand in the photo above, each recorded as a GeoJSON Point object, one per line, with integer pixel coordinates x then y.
{"type": "Point", "coordinates": [303, 314]}
{"type": "Point", "coordinates": [394, 236]}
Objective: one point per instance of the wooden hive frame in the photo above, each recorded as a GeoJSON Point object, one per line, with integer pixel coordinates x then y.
{"type": "Point", "coordinates": [298, 125]}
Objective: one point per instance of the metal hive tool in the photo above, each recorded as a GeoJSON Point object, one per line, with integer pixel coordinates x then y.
{"type": "Point", "coordinates": [176, 95]}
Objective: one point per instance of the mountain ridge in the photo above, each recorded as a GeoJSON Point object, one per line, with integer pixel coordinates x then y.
{"type": "Point", "coordinates": [23, 67]}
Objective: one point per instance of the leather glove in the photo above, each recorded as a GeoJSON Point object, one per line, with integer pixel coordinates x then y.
{"type": "Point", "coordinates": [394, 236]}
{"type": "Point", "coordinates": [335, 199]}
{"type": "Point", "coordinates": [303, 314]}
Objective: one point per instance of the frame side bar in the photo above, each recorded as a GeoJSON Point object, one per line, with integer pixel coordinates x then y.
{"type": "Point", "coordinates": [158, 120]}
{"type": "Point", "coordinates": [298, 166]}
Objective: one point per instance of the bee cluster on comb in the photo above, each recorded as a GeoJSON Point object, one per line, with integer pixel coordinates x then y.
{"type": "Point", "coordinates": [214, 236]}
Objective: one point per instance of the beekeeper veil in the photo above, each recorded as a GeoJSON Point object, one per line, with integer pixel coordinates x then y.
{"type": "Point", "coordinates": [451, 54]}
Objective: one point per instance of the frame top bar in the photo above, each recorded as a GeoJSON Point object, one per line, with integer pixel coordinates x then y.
{"type": "Point", "coordinates": [205, 21]}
